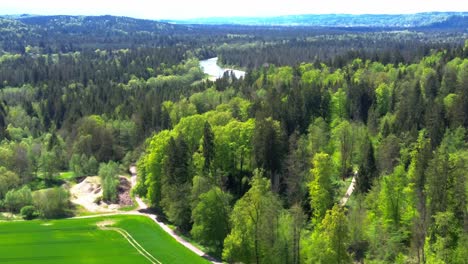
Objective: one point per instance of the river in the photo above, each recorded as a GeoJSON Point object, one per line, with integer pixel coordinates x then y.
{"type": "Point", "coordinates": [210, 67]}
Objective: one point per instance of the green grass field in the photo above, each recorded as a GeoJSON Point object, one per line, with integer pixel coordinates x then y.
{"type": "Point", "coordinates": [82, 241]}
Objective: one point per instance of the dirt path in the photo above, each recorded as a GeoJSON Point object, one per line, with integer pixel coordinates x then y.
{"type": "Point", "coordinates": [141, 210]}
{"type": "Point", "coordinates": [143, 206]}
{"type": "Point", "coordinates": [350, 190]}
{"type": "Point", "coordinates": [130, 239]}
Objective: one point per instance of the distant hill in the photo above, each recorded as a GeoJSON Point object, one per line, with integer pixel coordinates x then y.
{"type": "Point", "coordinates": [342, 20]}
{"type": "Point", "coordinates": [96, 24]}
{"type": "Point", "coordinates": [70, 33]}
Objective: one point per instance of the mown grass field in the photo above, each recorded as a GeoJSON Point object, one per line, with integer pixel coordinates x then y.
{"type": "Point", "coordinates": [82, 241]}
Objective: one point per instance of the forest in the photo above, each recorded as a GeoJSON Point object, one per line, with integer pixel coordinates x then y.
{"type": "Point", "coordinates": [253, 169]}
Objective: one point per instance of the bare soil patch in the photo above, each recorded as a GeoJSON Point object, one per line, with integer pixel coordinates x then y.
{"type": "Point", "coordinates": [88, 193]}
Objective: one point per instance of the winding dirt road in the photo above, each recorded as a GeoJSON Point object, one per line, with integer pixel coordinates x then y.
{"type": "Point", "coordinates": [142, 210]}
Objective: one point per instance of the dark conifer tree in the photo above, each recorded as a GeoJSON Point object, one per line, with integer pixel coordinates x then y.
{"type": "Point", "coordinates": [208, 145]}
{"type": "Point", "coordinates": [367, 169]}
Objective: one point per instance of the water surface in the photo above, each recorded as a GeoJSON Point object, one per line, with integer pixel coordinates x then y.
{"type": "Point", "coordinates": [211, 67]}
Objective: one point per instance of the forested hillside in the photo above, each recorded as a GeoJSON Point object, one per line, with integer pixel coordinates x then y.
{"type": "Point", "coordinates": [254, 168]}
{"type": "Point", "coordinates": [344, 20]}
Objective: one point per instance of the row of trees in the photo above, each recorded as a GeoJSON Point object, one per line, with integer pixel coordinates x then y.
{"type": "Point", "coordinates": [46, 203]}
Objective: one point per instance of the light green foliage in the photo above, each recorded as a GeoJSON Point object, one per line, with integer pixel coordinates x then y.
{"type": "Point", "coordinates": [109, 181]}
{"type": "Point", "coordinates": [206, 100]}
{"type": "Point", "coordinates": [345, 138]}
{"type": "Point", "coordinates": [390, 216]}
{"type": "Point", "coordinates": [384, 99]}
{"type": "Point", "coordinates": [233, 145]}
{"type": "Point", "coordinates": [328, 242]}
{"type": "Point", "coordinates": [211, 219]}
{"type": "Point", "coordinates": [321, 189]}
{"type": "Point", "coordinates": [180, 110]}
{"type": "Point", "coordinates": [445, 176]}
{"type": "Point", "coordinates": [8, 180]}
{"type": "Point", "coordinates": [310, 76]}
{"type": "Point", "coordinates": [338, 106]}
{"type": "Point", "coordinates": [83, 166]}
{"type": "Point", "coordinates": [447, 231]}
{"type": "Point", "coordinates": [254, 223]}
{"type": "Point", "coordinates": [395, 200]}
{"type": "Point", "coordinates": [282, 76]}
{"type": "Point", "coordinates": [153, 163]}
{"type": "Point", "coordinates": [51, 203]}
{"type": "Point", "coordinates": [318, 136]}
{"type": "Point", "coordinates": [17, 199]}
{"type": "Point", "coordinates": [191, 129]}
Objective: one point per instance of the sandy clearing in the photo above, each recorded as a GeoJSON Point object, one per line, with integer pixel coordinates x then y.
{"type": "Point", "coordinates": [88, 191]}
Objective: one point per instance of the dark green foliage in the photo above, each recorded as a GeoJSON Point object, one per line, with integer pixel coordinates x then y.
{"type": "Point", "coordinates": [367, 169]}
{"type": "Point", "coordinates": [268, 145]}
{"type": "Point", "coordinates": [28, 212]}
{"type": "Point", "coordinates": [176, 186]}
{"type": "Point", "coordinates": [208, 145]}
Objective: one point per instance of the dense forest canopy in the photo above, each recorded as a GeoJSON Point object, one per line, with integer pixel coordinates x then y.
{"type": "Point", "coordinates": [254, 168]}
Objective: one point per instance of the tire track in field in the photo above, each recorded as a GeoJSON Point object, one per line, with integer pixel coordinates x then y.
{"type": "Point", "coordinates": [132, 242]}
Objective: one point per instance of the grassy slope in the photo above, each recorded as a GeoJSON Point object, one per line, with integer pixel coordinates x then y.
{"type": "Point", "coordinates": [80, 241]}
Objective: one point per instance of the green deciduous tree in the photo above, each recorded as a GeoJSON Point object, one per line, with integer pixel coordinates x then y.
{"type": "Point", "coordinates": [109, 174]}
{"type": "Point", "coordinates": [329, 241]}
{"type": "Point", "coordinates": [51, 203]}
{"type": "Point", "coordinates": [8, 180]}
{"type": "Point", "coordinates": [254, 222]}
{"type": "Point", "coordinates": [321, 189]}
{"type": "Point", "coordinates": [17, 199]}
{"type": "Point", "coordinates": [211, 219]}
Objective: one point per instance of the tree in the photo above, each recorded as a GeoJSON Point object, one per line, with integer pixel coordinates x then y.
{"type": "Point", "coordinates": [8, 180]}
{"type": "Point", "coordinates": [335, 229]}
{"type": "Point", "coordinates": [176, 183]}
{"type": "Point", "coordinates": [49, 166]}
{"type": "Point", "coordinates": [388, 153]}
{"type": "Point", "coordinates": [269, 149]}
{"type": "Point", "coordinates": [16, 199]}
{"type": "Point", "coordinates": [367, 169]}
{"type": "Point", "coordinates": [420, 157]}
{"type": "Point", "coordinates": [211, 219]}
{"type": "Point", "coordinates": [3, 121]}
{"type": "Point", "coordinates": [254, 222]}
{"type": "Point", "coordinates": [109, 181]}
{"type": "Point", "coordinates": [343, 137]}
{"type": "Point", "coordinates": [321, 188]}
{"type": "Point", "coordinates": [296, 164]}
{"type": "Point", "coordinates": [208, 145]}
{"type": "Point", "coordinates": [51, 203]}
{"type": "Point", "coordinates": [28, 212]}
{"type": "Point", "coordinates": [329, 241]}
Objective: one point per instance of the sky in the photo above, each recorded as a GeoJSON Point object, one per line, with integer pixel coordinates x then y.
{"type": "Point", "coordinates": [182, 9]}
